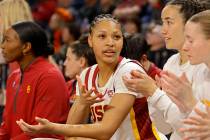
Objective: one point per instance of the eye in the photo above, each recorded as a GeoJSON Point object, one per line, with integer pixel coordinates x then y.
{"type": "Point", "coordinates": [169, 22]}
{"type": "Point", "coordinates": [189, 41]}
{"type": "Point", "coordinates": [68, 58]}
{"type": "Point", "coordinates": [4, 40]}
{"type": "Point", "coordinates": [101, 36]}
{"type": "Point", "coordinates": [117, 37]}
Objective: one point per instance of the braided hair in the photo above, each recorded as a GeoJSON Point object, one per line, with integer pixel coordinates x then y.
{"type": "Point", "coordinates": [102, 17]}
{"type": "Point", "coordinates": [188, 7]}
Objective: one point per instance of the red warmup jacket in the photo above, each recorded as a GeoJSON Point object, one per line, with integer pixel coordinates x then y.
{"type": "Point", "coordinates": [38, 91]}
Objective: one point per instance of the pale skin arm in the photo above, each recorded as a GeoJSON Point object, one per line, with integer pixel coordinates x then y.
{"type": "Point", "coordinates": [199, 125]}
{"type": "Point", "coordinates": [140, 83]}
{"type": "Point", "coordinates": [101, 131]}
{"type": "Point", "coordinates": [179, 90]}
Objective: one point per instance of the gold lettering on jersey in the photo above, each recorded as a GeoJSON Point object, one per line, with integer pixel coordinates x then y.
{"type": "Point", "coordinates": [28, 89]}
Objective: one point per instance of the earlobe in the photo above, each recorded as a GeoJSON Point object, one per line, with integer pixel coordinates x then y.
{"type": "Point", "coordinates": [83, 62]}
{"type": "Point", "coordinates": [144, 57]}
{"type": "Point", "coordinates": [90, 40]}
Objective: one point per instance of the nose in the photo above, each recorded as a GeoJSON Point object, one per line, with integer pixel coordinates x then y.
{"type": "Point", "coordinates": [185, 46]}
{"type": "Point", "coordinates": [65, 62]}
{"type": "Point", "coordinates": [2, 46]}
{"type": "Point", "coordinates": [164, 30]}
{"type": "Point", "coordinates": [110, 41]}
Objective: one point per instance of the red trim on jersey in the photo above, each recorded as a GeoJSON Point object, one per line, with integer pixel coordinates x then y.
{"type": "Point", "coordinates": [86, 78]}
{"type": "Point", "coordinates": [142, 118]}
{"type": "Point", "coordinates": [100, 95]}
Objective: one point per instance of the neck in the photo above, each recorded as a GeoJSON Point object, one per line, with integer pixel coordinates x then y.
{"type": "Point", "coordinates": [208, 65]}
{"type": "Point", "coordinates": [105, 71]}
{"type": "Point", "coordinates": [183, 57]}
{"type": "Point", "coordinates": [27, 60]}
{"type": "Point", "coordinates": [146, 65]}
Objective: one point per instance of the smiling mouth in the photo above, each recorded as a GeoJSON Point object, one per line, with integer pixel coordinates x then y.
{"type": "Point", "coordinates": [166, 39]}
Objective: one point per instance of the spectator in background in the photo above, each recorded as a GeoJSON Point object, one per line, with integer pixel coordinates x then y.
{"type": "Point", "coordinates": [107, 6]}
{"type": "Point", "coordinates": [56, 23]}
{"type": "Point", "coordinates": [88, 12]}
{"type": "Point", "coordinates": [69, 33]}
{"type": "Point", "coordinates": [158, 53]}
{"type": "Point", "coordinates": [42, 10]}
{"type": "Point", "coordinates": [128, 8]}
{"type": "Point", "coordinates": [132, 25]}
{"type": "Point", "coordinates": [78, 57]}
{"type": "Point", "coordinates": [37, 88]}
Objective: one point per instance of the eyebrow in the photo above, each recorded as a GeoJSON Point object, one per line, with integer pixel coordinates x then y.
{"type": "Point", "coordinates": [187, 36]}
{"type": "Point", "coordinates": [102, 31]}
{"type": "Point", "coordinates": [167, 18]}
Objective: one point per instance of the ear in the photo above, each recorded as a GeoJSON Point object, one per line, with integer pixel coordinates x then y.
{"type": "Point", "coordinates": [82, 62]}
{"type": "Point", "coordinates": [143, 58]}
{"type": "Point", "coordinates": [27, 48]}
{"type": "Point", "coordinates": [90, 41]}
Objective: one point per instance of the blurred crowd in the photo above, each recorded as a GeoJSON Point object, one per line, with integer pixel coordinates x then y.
{"type": "Point", "coordinates": [66, 20]}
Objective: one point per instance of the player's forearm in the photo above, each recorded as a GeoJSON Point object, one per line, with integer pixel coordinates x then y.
{"type": "Point", "coordinates": [96, 131]}
{"type": "Point", "coordinates": [78, 113]}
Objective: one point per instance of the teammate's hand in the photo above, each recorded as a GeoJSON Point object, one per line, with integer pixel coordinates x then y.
{"type": "Point", "coordinates": [140, 83]}
{"type": "Point", "coordinates": [198, 125]}
{"type": "Point", "coordinates": [179, 90]}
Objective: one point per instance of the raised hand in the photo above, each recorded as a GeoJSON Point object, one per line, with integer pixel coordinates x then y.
{"type": "Point", "coordinates": [43, 126]}
{"type": "Point", "coordinates": [179, 89]}
{"type": "Point", "coordinates": [85, 95]}
{"type": "Point", "coordinates": [140, 82]}
{"type": "Point", "coordinates": [198, 125]}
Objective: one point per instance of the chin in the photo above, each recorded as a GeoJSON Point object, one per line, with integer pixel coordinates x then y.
{"type": "Point", "coordinates": [194, 62]}
{"type": "Point", "coordinates": [168, 46]}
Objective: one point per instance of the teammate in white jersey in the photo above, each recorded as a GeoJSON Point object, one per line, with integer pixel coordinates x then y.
{"type": "Point", "coordinates": [197, 47]}
{"type": "Point", "coordinates": [174, 16]}
{"type": "Point", "coordinates": [117, 117]}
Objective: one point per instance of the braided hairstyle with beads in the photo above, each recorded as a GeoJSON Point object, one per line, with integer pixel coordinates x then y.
{"type": "Point", "coordinates": [109, 17]}
{"type": "Point", "coordinates": [188, 7]}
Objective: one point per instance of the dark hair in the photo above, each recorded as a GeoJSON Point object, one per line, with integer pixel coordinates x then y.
{"type": "Point", "coordinates": [188, 7]}
{"type": "Point", "coordinates": [135, 20]}
{"type": "Point", "coordinates": [74, 30]}
{"type": "Point", "coordinates": [136, 46]}
{"type": "Point", "coordinates": [81, 49]}
{"type": "Point", "coordinates": [31, 32]}
{"type": "Point", "coordinates": [109, 17]}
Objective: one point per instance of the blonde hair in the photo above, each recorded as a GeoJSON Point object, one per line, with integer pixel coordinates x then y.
{"type": "Point", "coordinates": [203, 18]}
{"type": "Point", "coordinates": [12, 11]}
